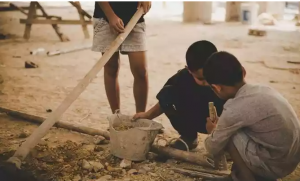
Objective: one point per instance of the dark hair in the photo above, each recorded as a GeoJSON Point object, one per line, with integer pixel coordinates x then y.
{"type": "Point", "coordinates": [198, 53]}
{"type": "Point", "coordinates": [223, 68]}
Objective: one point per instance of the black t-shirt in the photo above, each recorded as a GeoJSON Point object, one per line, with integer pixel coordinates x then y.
{"type": "Point", "coordinates": [190, 101]}
{"type": "Point", "coordinates": [124, 10]}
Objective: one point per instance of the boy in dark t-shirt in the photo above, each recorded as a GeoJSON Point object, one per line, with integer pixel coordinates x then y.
{"type": "Point", "coordinates": [110, 18]}
{"type": "Point", "coordinates": [185, 96]}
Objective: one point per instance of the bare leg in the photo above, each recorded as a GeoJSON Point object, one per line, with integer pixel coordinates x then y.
{"type": "Point", "coordinates": [244, 173]}
{"type": "Point", "coordinates": [138, 66]}
{"type": "Point", "coordinates": [111, 72]}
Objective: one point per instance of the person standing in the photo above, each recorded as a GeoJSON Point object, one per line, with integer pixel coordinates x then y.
{"type": "Point", "coordinates": [110, 18]}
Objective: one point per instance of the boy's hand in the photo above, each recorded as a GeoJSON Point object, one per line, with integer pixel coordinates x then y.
{"type": "Point", "coordinates": [146, 5]}
{"type": "Point", "coordinates": [211, 125]}
{"type": "Point", "coordinates": [140, 115]}
{"type": "Point", "coordinates": [116, 24]}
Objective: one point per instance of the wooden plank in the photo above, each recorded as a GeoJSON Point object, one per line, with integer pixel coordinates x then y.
{"type": "Point", "coordinates": [48, 21]}
{"type": "Point", "coordinates": [196, 174]}
{"type": "Point", "coordinates": [61, 36]}
{"type": "Point", "coordinates": [84, 26]}
{"type": "Point", "coordinates": [30, 17]}
{"type": "Point", "coordinates": [59, 124]}
{"type": "Point", "coordinates": [82, 11]}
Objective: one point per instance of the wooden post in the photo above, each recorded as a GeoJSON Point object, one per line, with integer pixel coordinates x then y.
{"type": "Point", "coordinates": [61, 36]}
{"type": "Point", "coordinates": [81, 16]}
{"type": "Point", "coordinates": [233, 9]}
{"type": "Point", "coordinates": [194, 11]}
{"type": "Point", "coordinates": [31, 14]}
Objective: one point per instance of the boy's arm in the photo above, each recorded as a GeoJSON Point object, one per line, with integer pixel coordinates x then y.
{"type": "Point", "coordinates": [106, 8]}
{"type": "Point", "coordinates": [154, 112]}
{"type": "Point", "coordinates": [114, 21]}
{"type": "Point", "coordinates": [228, 125]}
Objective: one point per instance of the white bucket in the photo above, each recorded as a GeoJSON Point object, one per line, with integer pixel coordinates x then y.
{"type": "Point", "coordinates": [249, 13]}
{"type": "Point", "coordinates": [134, 143]}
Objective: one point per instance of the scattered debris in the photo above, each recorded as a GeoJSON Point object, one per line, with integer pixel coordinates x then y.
{"type": "Point", "coordinates": [59, 52]}
{"type": "Point", "coordinates": [24, 134]}
{"type": "Point", "coordinates": [98, 140]}
{"type": "Point", "coordinates": [294, 62]}
{"type": "Point", "coordinates": [153, 174]}
{"type": "Point", "coordinates": [132, 172]}
{"type": "Point", "coordinates": [37, 51]}
{"type": "Point", "coordinates": [29, 64]}
{"type": "Point", "coordinates": [77, 178]}
{"type": "Point", "coordinates": [98, 148]}
{"type": "Point", "coordinates": [267, 19]}
{"type": "Point", "coordinates": [96, 165]}
{"type": "Point", "coordinates": [105, 178]}
{"type": "Point", "coordinates": [3, 37]}
{"type": "Point", "coordinates": [125, 163]}
{"type": "Point", "coordinates": [257, 32]}
{"type": "Point", "coordinates": [86, 165]}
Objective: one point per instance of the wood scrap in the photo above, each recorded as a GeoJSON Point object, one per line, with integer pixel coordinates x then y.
{"type": "Point", "coordinates": [294, 62]}
{"type": "Point", "coordinates": [257, 32]}
{"type": "Point", "coordinates": [29, 64]}
{"type": "Point", "coordinates": [195, 173]}
{"type": "Point", "coordinates": [65, 125]}
{"type": "Point", "coordinates": [215, 172]}
{"type": "Point", "coordinates": [190, 157]}
{"type": "Point", "coordinates": [59, 52]}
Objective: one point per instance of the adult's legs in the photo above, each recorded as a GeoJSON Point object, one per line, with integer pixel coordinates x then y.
{"type": "Point", "coordinates": [111, 72]}
{"type": "Point", "coordinates": [138, 66]}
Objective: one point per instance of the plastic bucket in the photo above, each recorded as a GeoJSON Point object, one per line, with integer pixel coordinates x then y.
{"type": "Point", "coordinates": [249, 13]}
{"type": "Point", "coordinates": [133, 143]}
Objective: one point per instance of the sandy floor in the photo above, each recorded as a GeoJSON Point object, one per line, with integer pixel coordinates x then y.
{"type": "Point", "coordinates": [36, 90]}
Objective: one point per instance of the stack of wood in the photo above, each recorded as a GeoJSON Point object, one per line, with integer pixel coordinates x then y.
{"type": "Point", "coordinates": [257, 32]}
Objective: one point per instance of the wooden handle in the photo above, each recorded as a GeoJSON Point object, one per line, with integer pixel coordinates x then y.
{"type": "Point", "coordinates": [212, 111]}
{"type": "Point", "coordinates": [41, 131]}
{"type": "Point", "coordinates": [213, 115]}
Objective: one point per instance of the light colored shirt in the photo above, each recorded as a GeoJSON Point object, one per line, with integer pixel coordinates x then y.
{"type": "Point", "coordinates": [268, 119]}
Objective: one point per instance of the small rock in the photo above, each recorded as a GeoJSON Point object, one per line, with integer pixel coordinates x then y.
{"type": "Point", "coordinates": [48, 110]}
{"type": "Point", "coordinates": [125, 163]}
{"type": "Point", "coordinates": [105, 142]}
{"type": "Point", "coordinates": [98, 148]}
{"type": "Point", "coordinates": [142, 171]}
{"type": "Point", "coordinates": [171, 172]}
{"type": "Point", "coordinates": [153, 174]}
{"type": "Point", "coordinates": [132, 172]}
{"type": "Point", "coordinates": [86, 165]}
{"type": "Point", "coordinates": [105, 178]}
{"type": "Point", "coordinates": [24, 134]}
{"type": "Point", "coordinates": [29, 64]}
{"type": "Point", "coordinates": [96, 166]}
{"type": "Point", "coordinates": [146, 168]}
{"type": "Point", "coordinates": [76, 178]}
{"type": "Point", "coordinates": [43, 143]}
{"type": "Point", "coordinates": [98, 140]}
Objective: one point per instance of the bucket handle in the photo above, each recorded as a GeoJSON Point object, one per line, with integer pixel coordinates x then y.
{"type": "Point", "coordinates": [169, 142]}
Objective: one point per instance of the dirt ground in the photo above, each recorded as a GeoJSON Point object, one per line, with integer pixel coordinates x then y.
{"type": "Point", "coordinates": [35, 90]}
